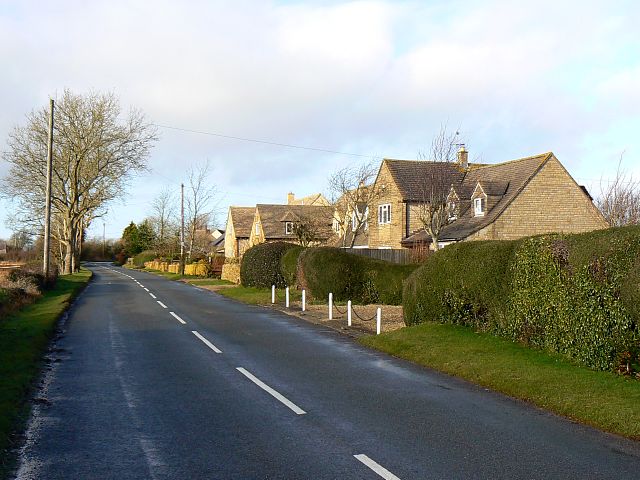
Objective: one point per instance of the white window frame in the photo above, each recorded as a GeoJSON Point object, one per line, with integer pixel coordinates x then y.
{"type": "Point", "coordinates": [452, 214]}
{"type": "Point", "coordinates": [384, 214]}
{"type": "Point", "coordinates": [288, 228]}
{"type": "Point", "coordinates": [477, 207]}
{"type": "Point", "coordinates": [257, 229]}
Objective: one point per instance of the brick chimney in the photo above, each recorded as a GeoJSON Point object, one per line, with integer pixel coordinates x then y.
{"type": "Point", "coordinates": [463, 157]}
{"type": "Point", "coordinates": [290, 198]}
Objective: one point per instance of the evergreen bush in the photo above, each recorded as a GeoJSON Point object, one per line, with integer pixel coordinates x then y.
{"type": "Point", "coordinates": [577, 295]}
{"type": "Point", "coordinates": [260, 265]}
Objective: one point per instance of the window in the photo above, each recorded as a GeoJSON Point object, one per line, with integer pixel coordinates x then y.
{"type": "Point", "coordinates": [452, 210]}
{"type": "Point", "coordinates": [336, 226]}
{"type": "Point", "coordinates": [384, 213]}
{"type": "Point", "coordinates": [288, 228]}
{"type": "Point", "coordinates": [257, 229]}
{"type": "Point", "coordinates": [479, 205]}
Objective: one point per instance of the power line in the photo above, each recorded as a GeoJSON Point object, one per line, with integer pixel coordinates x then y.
{"type": "Point", "coordinates": [267, 142]}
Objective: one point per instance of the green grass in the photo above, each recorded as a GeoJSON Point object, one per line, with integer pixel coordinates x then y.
{"type": "Point", "coordinates": [24, 338]}
{"type": "Point", "coordinates": [259, 296]}
{"type": "Point", "coordinates": [601, 399]}
{"type": "Point", "coordinates": [209, 281]}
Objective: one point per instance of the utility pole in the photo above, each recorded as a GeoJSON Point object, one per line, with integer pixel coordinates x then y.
{"type": "Point", "coordinates": [182, 229]}
{"type": "Point", "coordinates": [47, 209]}
{"type": "Point", "coordinates": [103, 239]}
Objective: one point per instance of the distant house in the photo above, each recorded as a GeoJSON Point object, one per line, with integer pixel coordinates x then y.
{"type": "Point", "coordinates": [504, 201]}
{"type": "Point", "coordinates": [238, 231]}
{"type": "Point", "coordinates": [277, 222]}
{"type": "Point", "coordinates": [317, 199]}
{"type": "Point", "coordinates": [218, 241]}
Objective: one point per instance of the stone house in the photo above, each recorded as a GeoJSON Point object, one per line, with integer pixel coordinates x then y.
{"type": "Point", "coordinates": [505, 201]}
{"type": "Point", "coordinates": [316, 199]}
{"type": "Point", "coordinates": [238, 231]}
{"type": "Point", "coordinates": [276, 222]}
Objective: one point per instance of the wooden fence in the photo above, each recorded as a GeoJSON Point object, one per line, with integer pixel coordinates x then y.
{"type": "Point", "coordinates": [401, 256]}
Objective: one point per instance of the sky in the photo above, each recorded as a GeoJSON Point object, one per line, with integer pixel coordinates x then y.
{"type": "Point", "coordinates": [368, 79]}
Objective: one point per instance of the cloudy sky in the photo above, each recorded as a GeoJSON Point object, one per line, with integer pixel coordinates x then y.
{"type": "Point", "coordinates": [370, 78]}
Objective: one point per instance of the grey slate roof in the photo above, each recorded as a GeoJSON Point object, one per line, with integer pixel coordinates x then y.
{"type": "Point", "coordinates": [501, 182]}
{"type": "Point", "coordinates": [273, 218]}
{"type": "Point", "coordinates": [242, 218]}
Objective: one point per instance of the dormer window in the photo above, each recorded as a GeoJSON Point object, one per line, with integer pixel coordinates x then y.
{"type": "Point", "coordinates": [452, 211]}
{"type": "Point", "coordinates": [288, 228]}
{"type": "Point", "coordinates": [479, 206]}
{"type": "Point", "coordinates": [257, 229]}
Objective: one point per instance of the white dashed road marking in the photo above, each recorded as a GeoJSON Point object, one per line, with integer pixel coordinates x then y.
{"type": "Point", "coordinates": [161, 304]}
{"type": "Point", "coordinates": [207, 342]}
{"type": "Point", "coordinates": [278, 396]}
{"type": "Point", "coordinates": [152, 295]}
{"type": "Point", "coordinates": [178, 318]}
{"type": "Point", "coordinates": [376, 467]}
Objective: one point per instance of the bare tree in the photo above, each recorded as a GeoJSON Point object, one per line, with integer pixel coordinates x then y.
{"type": "Point", "coordinates": [163, 220]}
{"type": "Point", "coordinates": [353, 195]}
{"type": "Point", "coordinates": [313, 229]}
{"type": "Point", "coordinates": [619, 200]}
{"type": "Point", "coordinates": [436, 184]}
{"type": "Point", "coordinates": [200, 207]}
{"type": "Point", "coordinates": [94, 155]}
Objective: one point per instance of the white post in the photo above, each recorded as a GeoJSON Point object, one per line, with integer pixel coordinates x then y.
{"type": "Point", "coordinates": [287, 297]}
{"type": "Point", "coordinates": [304, 300]}
{"type": "Point", "coordinates": [331, 306]}
{"type": "Point", "coordinates": [378, 320]}
{"type": "Point", "coordinates": [349, 313]}
{"type": "Point", "coordinates": [273, 294]}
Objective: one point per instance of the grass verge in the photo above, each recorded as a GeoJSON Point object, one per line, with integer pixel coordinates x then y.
{"type": "Point", "coordinates": [24, 338]}
{"type": "Point", "coordinates": [600, 399]}
{"type": "Point", "coordinates": [259, 296]}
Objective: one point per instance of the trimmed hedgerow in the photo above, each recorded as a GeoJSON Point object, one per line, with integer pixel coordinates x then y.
{"type": "Point", "coordinates": [141, 258]}
{"type": "Point", "coordinates": [289, 265]}
{"type": "Point", "coordinates": [352, 277]}
{"type": "Point", "coordinates": [260, 265]}
{"type": "Point", "coordinates": [577, 295]}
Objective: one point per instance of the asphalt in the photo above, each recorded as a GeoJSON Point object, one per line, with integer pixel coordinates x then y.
{"type": "Point", "coordinates": [133, 393]}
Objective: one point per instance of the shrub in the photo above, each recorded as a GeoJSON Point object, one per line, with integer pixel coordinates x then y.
{"type": "Point", "coordinates": [352, 277]}
{"type": "Point", "coordinates": [142, 257]}
{"type": "Point", "coordinates": [260, 265]}
{"type": "Point", "coordinates": [576, 295]}
{"type": "Point", "coordinates": [289, 265]}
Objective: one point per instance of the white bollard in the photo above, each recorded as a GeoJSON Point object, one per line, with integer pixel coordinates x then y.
{"type": "Point", "coordinates": [304, 300]}
{"type": "Point", "coordinates": [331, 306]}
{"type": "Point", "coordinates": [378, 320]}
{"type": "Point", "coordinates": [349, 313]}
{"type": "Point", "coordinates": [286, 302]}
{"type": "Point", "coordinates": [273, 294]}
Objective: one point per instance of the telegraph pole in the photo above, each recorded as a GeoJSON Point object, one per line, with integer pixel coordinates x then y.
{"type": "Point", "coordinates": [182, 229]}
{"type": "Point", "coordinates": [47, 209]}
{"type": "Point", "coordinates": [103, 239]}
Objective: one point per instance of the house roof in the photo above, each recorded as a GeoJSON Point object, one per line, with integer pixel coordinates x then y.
{"type": "Point", "coordinates": [316, 199]}
{"type": "Point", "coordinates": [273, 217]}
{"type": "Point", "coordinates": [242, 219]}
{"type": "Point", "coordinates": [414, 177]}
{"type": "Point", "coordinates": [501, 182]}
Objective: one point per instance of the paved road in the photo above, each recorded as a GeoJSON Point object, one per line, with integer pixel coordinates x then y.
{"type": "Point", "coordinates": [240, 392]}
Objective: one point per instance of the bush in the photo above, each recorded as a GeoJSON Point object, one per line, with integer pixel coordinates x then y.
{"type": "Point", "coordinates": [289, 265]}
{"type": "Point", "coordinates": [142, 257]}
{"type": "Point", "coordinates": [577, 295]}
{"type": "Point", "coordinates": [352, 277]}
{"type": "Point", "coordinates": [260, 265]}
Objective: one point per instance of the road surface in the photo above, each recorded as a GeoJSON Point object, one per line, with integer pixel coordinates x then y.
{"type": "Point", "coordinates": [162, 380]}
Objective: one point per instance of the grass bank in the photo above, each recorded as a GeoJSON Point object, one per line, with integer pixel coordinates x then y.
{"type": "Point", "coordinates": [600, 399]}
{"type": "Point", "coordinates": [24, 338]}
{"type": "Point", "coordinates": [259, 296]}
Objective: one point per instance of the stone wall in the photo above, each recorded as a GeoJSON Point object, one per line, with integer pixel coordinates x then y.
{"type": "Point", "coordinates": [231, 272]}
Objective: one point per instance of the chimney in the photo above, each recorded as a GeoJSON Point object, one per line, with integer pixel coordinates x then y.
{"type": "Point", "coordinates": [463, 157]}
{"type": "Point", "coordinates": [290, 198]}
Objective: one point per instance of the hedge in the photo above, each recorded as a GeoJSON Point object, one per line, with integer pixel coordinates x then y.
{"type": "Point", "coordinates": [577, 295]}
{"type": "Point", "coordinates": [260, 265]}
{"type": "Point", "coordinates": [289, 265]}
{"type": "Point", "coordinates": [352, 277]}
